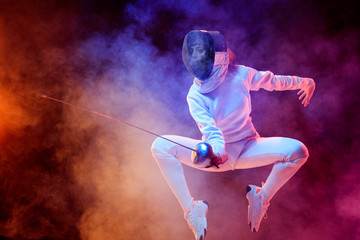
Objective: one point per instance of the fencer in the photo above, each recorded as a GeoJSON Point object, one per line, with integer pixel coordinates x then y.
{"type": "Point", "coordinates": [219, 101]}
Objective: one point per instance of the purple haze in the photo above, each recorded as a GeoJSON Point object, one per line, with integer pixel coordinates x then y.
{"type": "Point", "coordinates": [66, 174]}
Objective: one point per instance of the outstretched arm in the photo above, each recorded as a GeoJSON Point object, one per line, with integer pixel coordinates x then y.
{"type": "Point", "coordinates": [268, 81]}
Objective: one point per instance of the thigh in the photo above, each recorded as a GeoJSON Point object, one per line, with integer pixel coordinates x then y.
{"type": "Point", "coordinates": [184, 154]}
{"type": "Point", "coordinates": [264, 151]}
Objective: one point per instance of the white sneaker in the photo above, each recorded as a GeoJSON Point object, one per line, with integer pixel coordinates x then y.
{"type": "Point", "coordinates": [196, 218]}
{"type": "Point", "coordinates": [257, 207]}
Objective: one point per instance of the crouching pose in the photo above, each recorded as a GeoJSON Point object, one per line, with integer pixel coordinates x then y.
{"type": "Point", "coordinates": [219, 102]}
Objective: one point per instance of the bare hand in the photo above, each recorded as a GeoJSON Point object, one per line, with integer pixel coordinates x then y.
{"type": "Point", "coordinates": [307, 92]}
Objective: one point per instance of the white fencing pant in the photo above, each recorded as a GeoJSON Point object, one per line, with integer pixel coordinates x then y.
{"type": "Point", "coordinates": [287, 155]}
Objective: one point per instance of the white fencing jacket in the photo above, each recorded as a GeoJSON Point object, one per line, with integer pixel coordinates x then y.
{"type": "Point", "coordinates": [223, 112]}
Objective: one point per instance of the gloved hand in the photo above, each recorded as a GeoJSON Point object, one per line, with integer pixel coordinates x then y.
{"type": "Point", "coordinates": [219, 151]}
{"type": "Point", "coordinates": [307, 92]}
{"type": "Point", "coordinates": [203, 156]}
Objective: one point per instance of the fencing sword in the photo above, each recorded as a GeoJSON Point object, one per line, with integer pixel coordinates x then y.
{"type": "Point", "coordinates": [201, 152]}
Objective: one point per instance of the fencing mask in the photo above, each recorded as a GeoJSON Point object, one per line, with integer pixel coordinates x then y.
{"type": "Point", "coordinates": [199, 50]}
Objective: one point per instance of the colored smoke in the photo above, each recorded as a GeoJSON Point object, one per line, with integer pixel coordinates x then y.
{"type": "Point", "coordinates": [69, 174]}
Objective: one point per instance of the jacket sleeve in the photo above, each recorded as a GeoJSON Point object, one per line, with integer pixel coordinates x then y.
{"type": "Point", "coordinates": [207, 126]}
{"type": "Point", "coordinates": [268, 81]}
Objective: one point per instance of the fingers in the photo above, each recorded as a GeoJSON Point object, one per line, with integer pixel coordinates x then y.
{"type": "Point", "coordinates": [302, 95]}
{"type": "Point", "coordinates": [306, 93]}
{"type": "Point", "coordinates": [311, 94]}
{"type": "Point", "coordinates": [306, 101]}
{"type": "Point", "coordinates": [308, 97]}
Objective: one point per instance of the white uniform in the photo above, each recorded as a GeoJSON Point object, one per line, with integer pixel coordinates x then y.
{"type": "Point", "coordinates": [221, 107]}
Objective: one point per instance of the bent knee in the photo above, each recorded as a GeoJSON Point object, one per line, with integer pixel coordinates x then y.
{"type": "Point", "coordinates": [300, 152]}
{"type": "Point", "coordinates": [158, 145]}
{"type": "Point", "coordinates": [161, 150]}
{"type": "Point", "coordinates": [161, 146]}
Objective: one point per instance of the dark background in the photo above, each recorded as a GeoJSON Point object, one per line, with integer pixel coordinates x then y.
{"type": "Point", "coordinates": [68, 174]}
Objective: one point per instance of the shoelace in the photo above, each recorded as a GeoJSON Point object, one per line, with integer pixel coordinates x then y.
{"type": "Point", "coordinates": [190, 207]}
{"type": "Point", "coordinates": [264, 203]}
{"type": "Point", "coordinates": [190, 217]}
